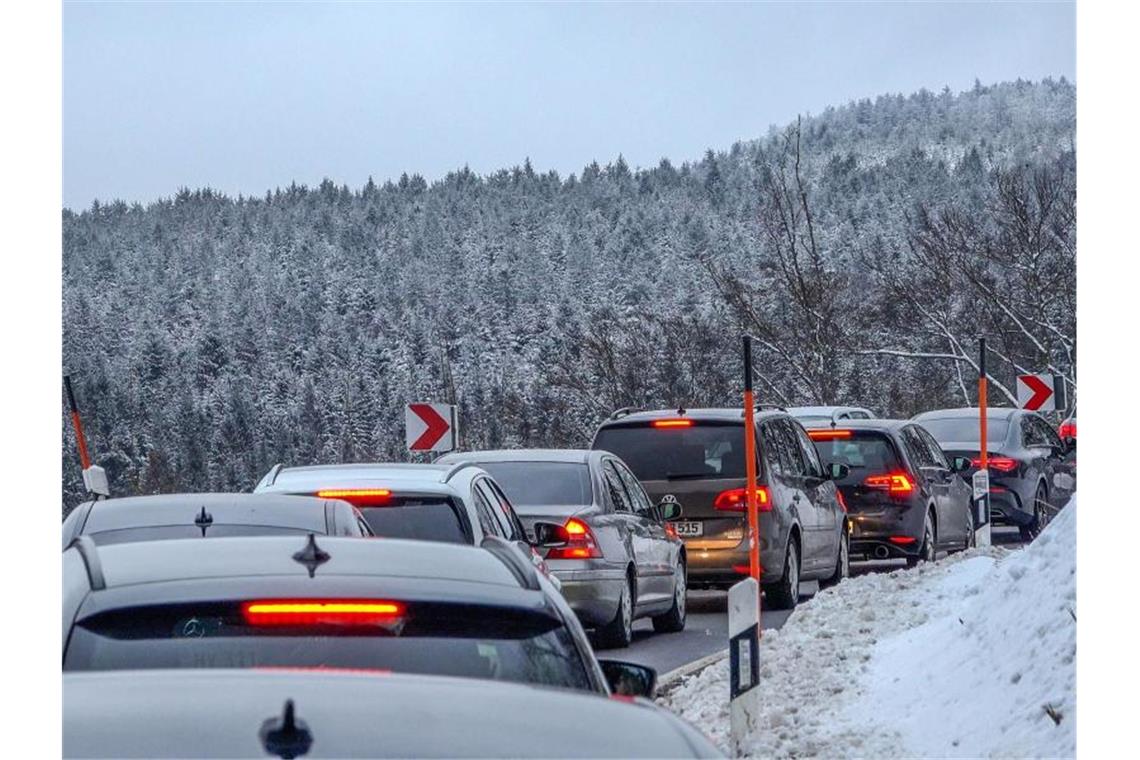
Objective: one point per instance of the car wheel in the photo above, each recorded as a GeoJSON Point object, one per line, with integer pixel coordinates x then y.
{"type": "Point", "coordinates": [842, 562]}
{"type": "Point", "coordinates": [969, 542]}
{"type": "Point", "coordinates": [674, 620]}
{"type": "Point", "coordinates": [926, 552]}
{"type": "Point", "coordinates": [784, 594]}
{"type": "Point", "coordinates": [619, 632]}
{"type": "Point", "coordinates": [1040, 502]}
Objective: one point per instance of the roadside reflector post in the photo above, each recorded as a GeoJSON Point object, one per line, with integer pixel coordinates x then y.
{"type": "Point", "coordinates": [750, 469]}
{"type": "Point", "coordinates": [743, 662]}
{"type": "Point", "coordinates": [981, 481]}
{"type": "Point", "coordinates": [94, 476]}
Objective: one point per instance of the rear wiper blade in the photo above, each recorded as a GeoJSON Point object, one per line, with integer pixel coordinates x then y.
{"type": "Point", "coordinates": [689, 475]}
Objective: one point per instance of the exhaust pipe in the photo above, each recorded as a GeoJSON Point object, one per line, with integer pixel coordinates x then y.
{"type": "Point", "coordinates": [881, 552]}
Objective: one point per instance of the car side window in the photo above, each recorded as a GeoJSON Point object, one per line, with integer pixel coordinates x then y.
{"type": "Point", "coordinates": [636, 493]}
{"type": "Point", "coordinates": [812, 465]}
{"type": "Point", "coordinates": [794, 460]}
{"type": "Point", "coordinates": [618, 496]}
{"type": "Point", "coordinates": [916, 449]}
{"type": "Point", "coordinates": [1046, 433]}
{"type": "Point", "coordinates": [512, 527]}
{"type": "Point", "coordinates": [1031, 434]}
{"type": "Point", "coordinates": [485, 512]}
{"type": "Point", "coordinates": [776, 449]}
{"type": "Point", "coordinates": [937, 455]}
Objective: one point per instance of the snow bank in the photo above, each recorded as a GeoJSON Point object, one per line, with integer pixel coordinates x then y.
{"type": "Point", "coordinates": [955, 659]}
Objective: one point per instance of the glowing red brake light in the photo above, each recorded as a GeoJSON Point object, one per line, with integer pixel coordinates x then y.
{"type": "Point", "coordinates": [580, 542]}
{"type": "Point", "coordinates": [314, 612]}
{"type": "Point", "coordinates": [1067, 430]}
{"type": "Point", "coordinates": [1001, 464]}
{"type": "Point", "coordinates": [672, 423]}
{"type": "Point", "coordinates": [842, 501]}
{"type": "Point", "coordinates": [893, 482]}
{"type": "Point", "coordinates": [736, 500]}
{"type": "Point", "coordinates": [361, 497]}
{"type": "Point", "coordinates": [828, 435]}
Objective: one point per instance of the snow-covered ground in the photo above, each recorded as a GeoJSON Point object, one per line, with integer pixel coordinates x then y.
{"type": "Point", "coordinates": [973, 656]}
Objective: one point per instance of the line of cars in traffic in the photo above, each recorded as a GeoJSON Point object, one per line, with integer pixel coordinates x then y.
{"type": "Point", "coordinates": [490, 567]}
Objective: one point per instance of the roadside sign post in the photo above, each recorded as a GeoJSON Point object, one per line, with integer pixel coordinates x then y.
{"type": "Point", "coordinates": [743, 661]}
{"type": "Point", "coordinates": [430, 427]}
{"type": "Point", "coordinates": [94, 477]}
{"type": "Point", "coordinates": [1041, 393]}
{"type": "Point", "coordinates": [981, 483]}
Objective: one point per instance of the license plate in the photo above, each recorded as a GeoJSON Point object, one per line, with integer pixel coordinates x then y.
{"type": "Point", "coordinates": [689, 528]}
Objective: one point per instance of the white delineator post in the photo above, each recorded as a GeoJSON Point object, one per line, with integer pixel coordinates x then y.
{"type": "Point", "coordinates": [743, 660]}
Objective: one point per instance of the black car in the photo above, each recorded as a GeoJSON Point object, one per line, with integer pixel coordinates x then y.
{"type": "Point", "coordinates": [210, 515]}
{"type": "Point", "coordinates": [1032, 472]}
{"type": "Point", "coordinates": [904, 496]}
{"type": "Point", "coordinates": [304, 713]}
{"type": "Point", "coordinates": [291, 602]}
{"type": "Point", "coordinates": [695, 457]}
{"type": "Point", "coordinates": [623, 560]}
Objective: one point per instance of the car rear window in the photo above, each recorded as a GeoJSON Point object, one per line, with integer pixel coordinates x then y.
{"type": "Point", "coordinates": [677, 453]}
{"type": "Point", "coordinates": [435, 639]}
{"type": "Point", "coordinates": [862, 451]}
{"type": "Point", "coordinates": [428, 518]}
{"type": "Point", "coordinates": [964, 429]}
{"type": "Point", "coordinates": [161, 532]}
{"type": "Point", "coordinates": [542, 483]}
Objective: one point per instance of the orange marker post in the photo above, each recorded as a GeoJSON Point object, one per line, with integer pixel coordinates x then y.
{"type": "Point", "coordinates": [750, 465]}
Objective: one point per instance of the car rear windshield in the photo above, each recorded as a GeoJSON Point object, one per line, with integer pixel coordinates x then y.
{"type": "Point", "coordinates": [542, 483]}
{"type": "Point", "coordinates": [677, 453]}
{"type": "Point", "coordinates": [440, 639]}
{"type": "Point", "coordinates": [160, 532]}
{"type": "Point", "coordinates": [863, 452]}
{"type": "Point", "coordinates": [964, 429]}
{"type": "Point", "coordinates": [428, 518]}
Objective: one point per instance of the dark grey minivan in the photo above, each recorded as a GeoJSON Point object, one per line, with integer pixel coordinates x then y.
{"type": "Point", "coordinates": [696, 458]}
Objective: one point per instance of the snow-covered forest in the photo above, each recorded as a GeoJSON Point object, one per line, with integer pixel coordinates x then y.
{"type": "Point", "coordinates": [866, 247]}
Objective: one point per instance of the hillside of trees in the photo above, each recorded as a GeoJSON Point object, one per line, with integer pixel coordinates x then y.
{"type": "Point", "coordinates": [866, 248]}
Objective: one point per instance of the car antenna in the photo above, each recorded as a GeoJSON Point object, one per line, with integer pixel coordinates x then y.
{"type": "Point", "coordinates": [312, 556]}
{"type": "Point", "coordinates": [204, 520]}
{"type": "Point", "coordinates": [680, 411]}
{"type": "Point", "coordinates": [286, 737]}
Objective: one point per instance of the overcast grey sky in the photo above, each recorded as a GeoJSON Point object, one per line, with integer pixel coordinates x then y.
{"type": "Point", "coordinates": [248, 97]}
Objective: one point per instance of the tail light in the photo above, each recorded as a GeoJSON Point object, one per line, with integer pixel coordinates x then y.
{"type": "Point", "coordinates": [580, 543]}
{"type": "Point", "coordinates": [1067, 430]}
{"type": "Point", "coordinates": [842, 501]}
{"type": "Point", "coordinates": [360, 497]}
{"type": "Point", "coordinates": [671, 530]}
{"type": "Point", "coordinates": [902, 540]}
{"type": "Point", "coordinates": [315, 612]}
{"type": "Point", "coordinates": [736, 500]}
{"type": "Point", "coordinates": [895, 483]}
{"type": "Point", "coordinates": [828, 435]}
{"type": "Point", "coordinates": [1001, 464]}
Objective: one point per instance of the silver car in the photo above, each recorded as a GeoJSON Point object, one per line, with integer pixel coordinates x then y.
{"type": "Point", "coordinates": [314, 713]}
{"type": "Point", "coordinates": [618, 557]}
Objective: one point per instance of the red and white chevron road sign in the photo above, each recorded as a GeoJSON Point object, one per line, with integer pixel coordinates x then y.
{"type": "Point", "coordinates": [1037, 393]}
{"type": "Point", "coordinates": [430, 427]}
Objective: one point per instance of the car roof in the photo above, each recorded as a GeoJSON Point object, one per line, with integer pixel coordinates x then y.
{"type": "Point", "coordinates": [149, 562]}
{"type": "Point", "coordinates": [309, 479]}
{"type": "Point", "coordinates": [575, 456]}
{"type": "Point", "coordinates": [824, 410]}
{"type": "Point", "coordinates": [219, 713]}
{"type": "Point", "coordinates": [720, 414]}
{"type": "Point", "coordinates": [300, 512]}
{"type": "Point", "coordinates": [873, 424]}
{"type": "Point", "coordinates": [992, 412]}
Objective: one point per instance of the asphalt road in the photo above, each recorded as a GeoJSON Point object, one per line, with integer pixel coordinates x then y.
{"type": "Point", "coordinates": [706, 630]}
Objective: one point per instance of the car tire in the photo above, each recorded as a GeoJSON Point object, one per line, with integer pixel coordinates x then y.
{"type": "Point", "coordinates": [1037, 524]}
{"type": "Point", "coordinates": [673, 621]}
{"type": "Point", "coordinates": [927, 551]}
{"type": "Point", "coordinates": [970, 542]}
{"type": "Point", "coordinates": [784, 594]}
{"type": "Point", "coordinates": [842, 562]}
{"type": "Point", "coordinates": [618, 633]}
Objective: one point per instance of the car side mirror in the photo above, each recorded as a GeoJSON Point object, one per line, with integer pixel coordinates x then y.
{"type": "Point", "coordinates": [670, 510]}
{"type": "Point", "coordinates": [628, 679]}
{"type": "Point", "coordinates": [837, 471]}
{"type": "Point", "coordinates": [547, 535]}
{"type": "Point", "coordinates": [961, 464]}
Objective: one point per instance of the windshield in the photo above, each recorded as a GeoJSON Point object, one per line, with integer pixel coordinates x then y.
{"type": "Point", "coordinates": [862, 452]}
{"type": "Point", "coordinates": [542, 483]}
{"type": "Point", "coordinates": [472, 642]}
{"type": "Point", "coordinates": [964, 429]}
{"type": "Point", "coordinates": [677, 453]}
{"type": "Point", "coordinates": [422, 518]}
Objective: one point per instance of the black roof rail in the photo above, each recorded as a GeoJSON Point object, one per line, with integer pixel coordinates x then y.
{"type": "Point", "coordinates": [461, 465]}
{"type": "Point", "coordinates": [509, 555]}
{"type": "Point", "coordinates": [623, 412]}
{"type": "Point", "coordinates": [90, 555]}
